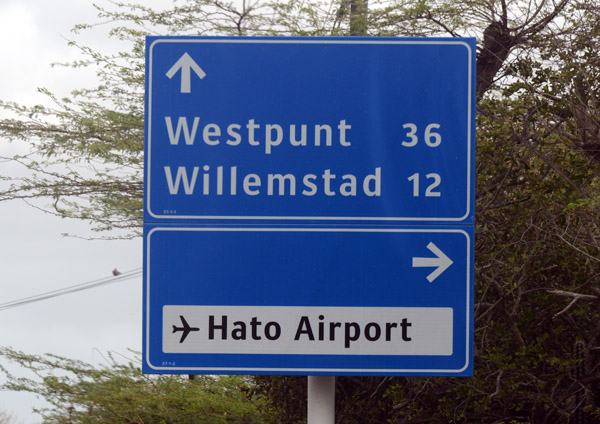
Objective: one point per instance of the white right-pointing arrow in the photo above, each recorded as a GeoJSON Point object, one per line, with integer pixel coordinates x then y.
{"type": "Point", "coordinates": [441, 262]}
{"type": "Point", "coordinates": [186, 64]}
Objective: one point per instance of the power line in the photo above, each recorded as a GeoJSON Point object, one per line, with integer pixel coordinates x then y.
{"type": "Point", "coordinates": [72, 289]}
{"type": "Point", "coordinates": [128, 275]}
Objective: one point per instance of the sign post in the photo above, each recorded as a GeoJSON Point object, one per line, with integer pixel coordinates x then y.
{"type": "Point", "coordinates": [321, 399]}
{"type": "Point", "coordinates": [309, 206]}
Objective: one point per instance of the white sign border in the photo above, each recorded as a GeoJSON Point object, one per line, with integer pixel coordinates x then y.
{"type": "Point", "coordinates": [225, 40]}
{"type": "Point", "coordinates": [266, 370]}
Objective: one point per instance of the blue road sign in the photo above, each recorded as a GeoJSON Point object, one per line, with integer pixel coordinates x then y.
{"type": "Point", "coordinates": [298, 134]}
{"type": "Point", "coordinates": [340, 130]}
{"type": "Point", "coordinates": [277, 300]}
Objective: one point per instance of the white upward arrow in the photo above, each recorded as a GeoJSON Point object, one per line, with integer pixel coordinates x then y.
{"type": "Point", "coordinates": [441, 262]}
{"type": "Point", "coordinates": [186, 63]}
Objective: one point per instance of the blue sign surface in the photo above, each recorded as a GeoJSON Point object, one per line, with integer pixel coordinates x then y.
{"type": "Point", "coordinates": [276, 300]}
{"type": "Point", "coordinates": [320, 130]}
{"type": "Point", "coordinates": [309, 206]}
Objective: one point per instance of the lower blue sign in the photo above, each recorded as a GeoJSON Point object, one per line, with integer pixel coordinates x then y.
{"type": "Point", "coordinates": [362, 301]}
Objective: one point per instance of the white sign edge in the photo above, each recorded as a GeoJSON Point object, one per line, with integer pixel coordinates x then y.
{"type": "Point", "coordinates": [175, 39]}
{"type": "Point", "coordinates": [311, 370]}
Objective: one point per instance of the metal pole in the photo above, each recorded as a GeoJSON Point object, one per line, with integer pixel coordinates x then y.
{"type": "Point", "coordinates": [321, 399]}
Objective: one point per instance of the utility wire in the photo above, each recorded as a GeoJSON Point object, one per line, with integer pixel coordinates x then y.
{"type": "Point", "coordinates": [128, 275]}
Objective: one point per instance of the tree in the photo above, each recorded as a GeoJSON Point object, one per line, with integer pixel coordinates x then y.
{"type": "Point", "coordinates": [119, 393]}
{"type": "Point", "coordinates": [101, 129]}
{"type": "Point", "coordinates": [537, 338]}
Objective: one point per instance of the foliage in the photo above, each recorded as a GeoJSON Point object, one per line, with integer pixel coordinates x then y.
{"type": "Point", "coordinates": [86, 151]}
{"type": "Point", "coordinates": [119, 393]}
{"type": "Point", "coordinates": [537, 337]}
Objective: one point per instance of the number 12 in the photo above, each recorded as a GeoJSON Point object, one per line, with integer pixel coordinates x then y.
{"type": "Point", "coordinates": [429, 191]}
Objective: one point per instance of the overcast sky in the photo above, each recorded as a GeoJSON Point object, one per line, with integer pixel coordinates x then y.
{"type": "Point", "coordinates": [34, 257]}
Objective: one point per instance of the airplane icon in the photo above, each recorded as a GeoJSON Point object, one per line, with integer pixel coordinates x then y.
{"type": "Point", "coordinates": [186, 329]}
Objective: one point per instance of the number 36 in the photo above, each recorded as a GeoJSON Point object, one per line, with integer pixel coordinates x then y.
{"type": "Point", "coordinates": [431, 137]}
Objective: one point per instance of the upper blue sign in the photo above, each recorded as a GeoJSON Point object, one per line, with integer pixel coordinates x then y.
{"type": "Point", "coordinates": [310, 129]}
